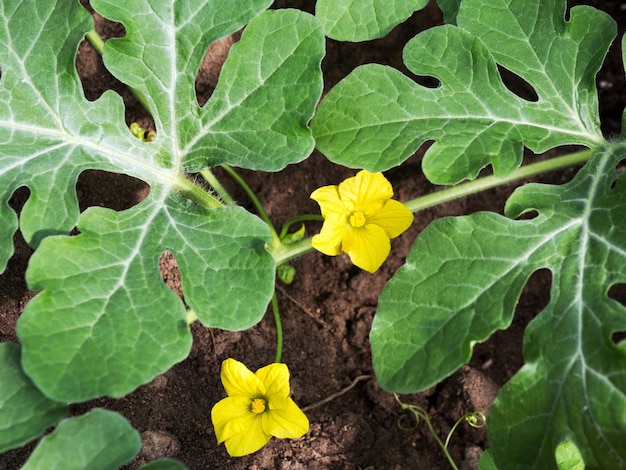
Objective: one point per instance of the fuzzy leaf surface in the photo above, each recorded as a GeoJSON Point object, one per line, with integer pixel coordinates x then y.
{"type": "Point", "coordinates": [98, 440]}
{"type": "Point", "coordinates": [104, 322]}
{"type": "Point", "coordinates": [377, 117]}
{"type": "Point", "coordinates": [349, 20]}
{"type": "Point", "coordinates": [25, 412]}
{"type": "Point", "coordinates": [461, 283]}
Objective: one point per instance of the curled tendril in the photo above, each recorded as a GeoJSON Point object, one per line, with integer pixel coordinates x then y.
{"type": "Point", "coordinates": [475, 419]}
{"type": "Point", "coordinates": [405, 417]}
{"type": "Point", "coordinates": [414, 410]}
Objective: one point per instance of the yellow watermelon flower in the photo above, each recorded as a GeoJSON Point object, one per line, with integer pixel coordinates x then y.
{"type": "Point", "coordinates": [359, 219]}
{"type": "Point", "coordinates": [257, 407]}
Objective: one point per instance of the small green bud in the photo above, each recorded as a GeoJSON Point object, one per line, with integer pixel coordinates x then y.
{"type": "Point", "coordinates": [286, 273]}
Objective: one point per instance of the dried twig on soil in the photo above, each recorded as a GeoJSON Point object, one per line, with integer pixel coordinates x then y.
{"type": "Point", "coordinates": [316, 319]}
{"type": "Point", "coordinates": [338, 394]}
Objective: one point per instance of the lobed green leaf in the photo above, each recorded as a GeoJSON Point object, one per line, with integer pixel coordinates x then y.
{"type": "Point", "coordinates": [48, 132]}
{"type": "Point", "coordinates": [568, 457]}
{"type": "Point", "coordinates": [268, 88]}
{"type": "Point", "coordinates": [347, 20]}
{"type": "Point", "coordinates": [105, 322]}
{"type": "Point", "coordinates": [25, 412]}
{"type": "Point", "coordinates": [163, 464]}
{"type": "Point", "coordinates": [461, 283]}
{"type": "Point", "coordinates": [450, 9]}
{"type": "Point", "coordinates": [624, 62]}
{"type": "Point", "coordinates": [486, 461]}
{"type": "Point", "coordinates": [106, 441]}
{"type": "Point", "coordinates": [112, 308]}
{"type": "Point", "coordinates": [377, 117]}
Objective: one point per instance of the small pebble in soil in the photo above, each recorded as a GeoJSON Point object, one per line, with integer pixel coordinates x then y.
{"type": "Point", "coordinates": [158, 444]}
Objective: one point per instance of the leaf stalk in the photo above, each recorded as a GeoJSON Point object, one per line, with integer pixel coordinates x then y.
{"type": "Point", "coordinates": [279, 328]}
{"type": "Point", "coordinates": [257, 203]}
{"type": "Point", "coordinates": [488, 182]}
{"type": "Point", "coordinates": [284, 254]}
{"type": "Point", "coordinates": [195, 193]}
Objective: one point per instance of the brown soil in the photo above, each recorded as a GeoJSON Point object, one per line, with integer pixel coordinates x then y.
{"type": "Point", "coordinates": [326, 312]}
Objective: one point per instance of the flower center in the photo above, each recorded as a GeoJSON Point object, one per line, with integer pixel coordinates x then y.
{"type": "Point", "coordinates": [258, 405]}
{"type": "Point", "coordinates": [357, 219]}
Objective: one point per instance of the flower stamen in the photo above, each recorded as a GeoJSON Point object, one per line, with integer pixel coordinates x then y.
{"type": "Point", "coordinates": [357, 219]}
{"type": "Point", "coordinates": [257, 406]}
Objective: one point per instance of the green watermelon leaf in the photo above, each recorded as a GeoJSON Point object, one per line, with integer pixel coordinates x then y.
{"type": "Point", "coordinates": [486, 461]}
{"type": "Point", "coordinates": [377, 117]}
{"type": "Point", "coordinates": [163, 464]}
{"type": "Point", "coordinates": [568, 457]}
{"type": "Point", "coordinates": [106, 441]}
{"type": "Point", "coordinates": [104, 321]}
{"type": "Point", "coordinates": [25, 412]}
{"type": "Point", "coordinates": [461, 283]}
{"type": "Point", "coordinates": [464, 275]}
{"type": "Point", "coordinates": [450, 9]}
{"type": "Point", "coordinates": [347, 20]}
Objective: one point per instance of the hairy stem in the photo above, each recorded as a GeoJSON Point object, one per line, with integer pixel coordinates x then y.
{"type": "Point", "coordinates": [284, 254]}
{"type": "Point", "coordinates": [255, 200]}
{"type": "Point", "coordinates": [194, 192]}
{"type": "Point", "coordinates": [218, 187]}
{"type": "Point", "coordinates": [488, 182]}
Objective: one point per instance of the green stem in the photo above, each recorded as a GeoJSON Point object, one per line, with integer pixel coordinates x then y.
{"type": "Point", "coordinates": [255, 200]}
{"type": "Point", "coordinates": [98, 44]}
{"type": "Point", "coordinates": [218, 187]}
{"type": "Point", "coordinates": [196, 193]}
{"type": "Point", "coordinates": [421, 413]}
{"type": "Point", "coordinates": [279, 329]}
{"type": "Point", "coordinates": [285, 254]}
{"type": "Point", "coordinates": [431, 429]}
{"type": "Point", "coordinates": [95, 40]}
{"type": "Point", "coordinates": [488, 182]}
{"type": "Point", "coordinates": [300, 218]}
{"type": "Point", "coordinates": [475, 419]}
{"type": "Point", "coordinates": [449, 436]}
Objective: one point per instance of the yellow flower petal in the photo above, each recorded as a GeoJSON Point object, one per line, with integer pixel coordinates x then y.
{"type": "Point", "coordinates": [368, 191]}
{"type": "Point", "coordinates": [394, 218]}
{"type": "Point", "coordinates": [330, 238]}
{"type": "Point", "coordinates": [359, 219]}
{"type": "Point", "coordinates": [239, 381]}
{"type": "Point", "coordinates": [275, 377]}
{"type": "Point", "coordinates": [231, 416]}
{"type": "Point", "coordinates": [247, 442]}
{"type": "Point", "coordinates": [328, 199]}
{"type": "Point", "coordinates": [241, 423]}
{"type": "Point", "coordinates": [284, 419]}
{"type": "Point", "coordinates": [236, 426]}
{"type": "Point", "coordinates": [368, 247]}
